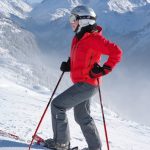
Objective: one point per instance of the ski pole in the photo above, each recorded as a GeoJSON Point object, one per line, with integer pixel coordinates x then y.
{"type": "Point", "coordinates": [103, 116]}
{"type": "Point", "coordinates": [45, 111]}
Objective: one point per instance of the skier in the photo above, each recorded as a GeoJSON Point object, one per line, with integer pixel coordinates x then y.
{"type": "Point", "coordinates": [87, 47]}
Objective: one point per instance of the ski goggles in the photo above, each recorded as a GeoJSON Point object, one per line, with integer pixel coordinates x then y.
{"type": "Point", "coordinates": [74, 18]}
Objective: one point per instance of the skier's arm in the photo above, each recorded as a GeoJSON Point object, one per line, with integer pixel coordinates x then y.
{"type": "Point", "coordinates": [113, 52]}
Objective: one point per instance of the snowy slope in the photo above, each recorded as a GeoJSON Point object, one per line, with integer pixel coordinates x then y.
{"type": "Point", "coordinates": [14, 7]}
{"type": "Point", "coordinates": [19, 49]}
{"type": "Point", "coordinates": [19, 54]}
{"type": "Point", "coordinates": [8, 144]}
{"type": "Point", "coordinates": [22, 108]}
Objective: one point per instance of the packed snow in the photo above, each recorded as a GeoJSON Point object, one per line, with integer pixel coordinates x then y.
{"type": "Point", "coordinates": [21, 109]}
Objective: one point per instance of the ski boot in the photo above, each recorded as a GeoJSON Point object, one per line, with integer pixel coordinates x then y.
{"type": "Point", "coordinates": [51, 144]}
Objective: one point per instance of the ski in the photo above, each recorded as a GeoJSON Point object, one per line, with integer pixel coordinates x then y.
{"type": "Point", "coordinates": [40, 141]}
{"type": "Point", "coordinates": [10, 135]}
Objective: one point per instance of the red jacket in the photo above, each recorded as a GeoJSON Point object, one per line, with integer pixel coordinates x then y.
{"type": "Point", "coordinates": [87, 51]}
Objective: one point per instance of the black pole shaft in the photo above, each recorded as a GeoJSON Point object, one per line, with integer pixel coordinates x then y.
{"type": "Point", "coordinates": [104, 122]}
{"type": "Point", "coordinates": [45, 111]}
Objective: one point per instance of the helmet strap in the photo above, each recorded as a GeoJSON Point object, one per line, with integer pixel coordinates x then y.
{"type": "Point", "coordinates": [76, 30]}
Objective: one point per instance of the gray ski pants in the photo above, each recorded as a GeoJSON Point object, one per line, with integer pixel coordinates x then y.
{"type": "Point", "coordinates": [77, 96]}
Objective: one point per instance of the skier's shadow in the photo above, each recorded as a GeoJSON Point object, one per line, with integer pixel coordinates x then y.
{"type": "Point", "coordinates": [17, 144]}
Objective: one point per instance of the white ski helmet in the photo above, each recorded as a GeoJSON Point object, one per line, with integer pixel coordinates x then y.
{"type": "Point", "coordinates": [84, 14]}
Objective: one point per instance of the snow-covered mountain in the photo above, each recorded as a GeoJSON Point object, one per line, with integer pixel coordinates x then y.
{"type": "Point", "coordinates": [19, 51]}
{"type": "Point", "coordinates": [14, 7]}
{"type": "Point", "coordinates": [122, 21]}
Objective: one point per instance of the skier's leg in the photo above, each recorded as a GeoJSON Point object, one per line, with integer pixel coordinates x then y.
{"type": "Point", "coordinates": [86, 122]}
{"type": "Point", "coordinates": [73, 96]}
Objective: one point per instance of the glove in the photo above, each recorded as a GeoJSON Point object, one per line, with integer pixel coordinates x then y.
{"type": "Point", "coordinates": [65, 66]}
{"type": "Point", "coordinates": [98, 71]}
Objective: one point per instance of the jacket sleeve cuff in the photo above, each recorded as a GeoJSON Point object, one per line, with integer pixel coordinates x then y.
{"type": "Point", "coordinates": [107, 69]}
{"type": "Point", "coordinates": [95, 75]}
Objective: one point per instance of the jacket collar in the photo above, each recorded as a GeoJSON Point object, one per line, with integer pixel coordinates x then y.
{"type": "Point", "coordinates": [86, 31]}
